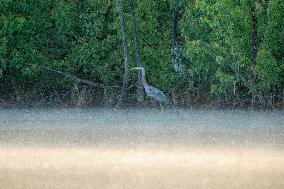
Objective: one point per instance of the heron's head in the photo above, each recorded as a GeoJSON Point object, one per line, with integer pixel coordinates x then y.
{"type": "Point", "coordinates": [138, 68]}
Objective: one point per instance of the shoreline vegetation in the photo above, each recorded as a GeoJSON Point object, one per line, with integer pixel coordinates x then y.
{"type": "Point", "coordinates": [208, 54]}
{"type": "Point", "coordinates": [148, 105]}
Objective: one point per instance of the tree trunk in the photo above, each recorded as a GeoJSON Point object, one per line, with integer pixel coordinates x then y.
{"type": "Point", "coordinates": [140, 90]}
{"type": "Point", "coordinates": [123, 93]}
{"type": "Point", "coordinates": [174, 35]}
{"type": "Point", "coordinates": [255, 37]}
{"type": "Point", "coordinates": [283, 97]}
{"type": "Point", "coordinates": [255, 47]}
{"type": "Point", "coordinates": [175, 26]}
{"type": "Point", "coordinates": [74, 95]}
{"type": "Point", "coordinates": [177, 50]}
{"type": "Point", "coordinates": [81, 5]}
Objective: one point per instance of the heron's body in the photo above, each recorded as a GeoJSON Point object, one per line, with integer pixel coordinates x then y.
{"type": "Point", "coordinates": [152, 91]}
{"type": "Point", "coordinates": [156, 94]}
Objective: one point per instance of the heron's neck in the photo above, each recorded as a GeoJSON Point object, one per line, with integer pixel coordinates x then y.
{"type": "Point", "coordinates": [143, 77]}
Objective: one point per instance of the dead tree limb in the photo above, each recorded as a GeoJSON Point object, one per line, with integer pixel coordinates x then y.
{"type": "Point", "coordinates": [72, 77]}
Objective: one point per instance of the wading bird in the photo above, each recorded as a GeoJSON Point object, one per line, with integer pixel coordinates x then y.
{"type": "Point", "coordinates": [152, 91]}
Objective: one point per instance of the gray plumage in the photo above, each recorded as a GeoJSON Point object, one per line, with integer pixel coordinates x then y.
{"type": "Point", "coordinates": [152, 91]}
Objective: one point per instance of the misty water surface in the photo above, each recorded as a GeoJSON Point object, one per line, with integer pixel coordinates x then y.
{"type": "Point", "coordinates": [141, 127]}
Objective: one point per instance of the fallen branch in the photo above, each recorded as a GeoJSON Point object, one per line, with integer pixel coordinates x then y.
{"type": "Point", "coordinates": [73, 77]}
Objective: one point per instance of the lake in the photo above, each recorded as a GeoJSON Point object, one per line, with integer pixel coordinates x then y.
{"type": "Point", "coordinates": [141, 148]}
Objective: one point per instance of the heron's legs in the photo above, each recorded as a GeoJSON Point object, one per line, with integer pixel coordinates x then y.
{"type": "Point", "coordinates": [161, 106]}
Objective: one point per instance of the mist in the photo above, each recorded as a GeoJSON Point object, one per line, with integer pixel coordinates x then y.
{"type": "Point", "coordinates": [141, 148]}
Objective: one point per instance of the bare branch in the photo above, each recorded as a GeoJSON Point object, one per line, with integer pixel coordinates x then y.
{"type": "Point", "coordinates": [73, 77]}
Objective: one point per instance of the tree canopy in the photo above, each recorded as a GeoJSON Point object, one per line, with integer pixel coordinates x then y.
{"type": "Point", "coordinates": [231, 51]}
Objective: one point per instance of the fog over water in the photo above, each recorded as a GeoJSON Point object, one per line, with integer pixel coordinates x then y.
{"type": "Point", "coordinates": [141, 149]}
{"type": "Point", "coordinates": [141, 127]}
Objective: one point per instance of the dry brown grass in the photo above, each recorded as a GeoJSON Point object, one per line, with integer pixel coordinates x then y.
{"type": "Point", "coordinates": [140, 168]}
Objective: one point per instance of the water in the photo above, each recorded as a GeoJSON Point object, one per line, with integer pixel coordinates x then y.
{"type": "Point", "coordinates": [147, 148]}
{"type": "Point", "coordinates": [146, 126]}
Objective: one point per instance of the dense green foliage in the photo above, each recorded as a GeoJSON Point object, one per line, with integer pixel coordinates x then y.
{"type": "Point", "coordinates": [232, 50]}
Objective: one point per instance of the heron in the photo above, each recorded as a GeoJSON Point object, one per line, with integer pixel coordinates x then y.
{"type": "Point", "coordinates": [151, 91]}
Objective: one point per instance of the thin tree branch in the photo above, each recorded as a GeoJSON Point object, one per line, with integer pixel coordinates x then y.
{"type": "Point", "coordinates": [72, 77]}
